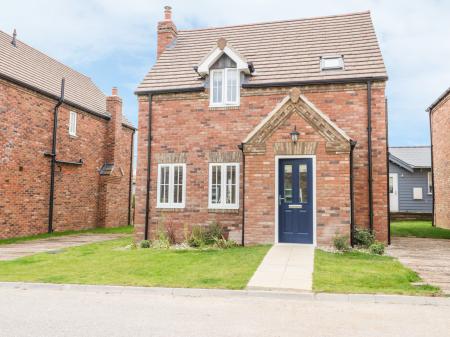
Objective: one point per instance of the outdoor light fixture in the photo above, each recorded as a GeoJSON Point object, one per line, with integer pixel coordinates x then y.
{"type": "Point", "coordinates": [294, 135]}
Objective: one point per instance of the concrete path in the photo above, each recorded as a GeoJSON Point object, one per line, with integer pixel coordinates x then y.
{"type": "Point", "coordinates": [61, 310]}
{"type": "Point", "coordinates": [17, 250]}
{"type": "Point", "coordinates": [285, 267]}
{"type": "Point", "coordinates": [428, 257]}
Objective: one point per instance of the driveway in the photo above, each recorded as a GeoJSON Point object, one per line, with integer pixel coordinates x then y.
{"type": "Point", "coordinates": [17, 250]}
{"type": "Point", "coordinates": [34, 310]}
{"type": "Point", "coordinates": [428, 257]}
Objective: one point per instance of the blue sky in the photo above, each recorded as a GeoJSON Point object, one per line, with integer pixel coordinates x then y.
{"type": "Point", "coordinates": [114, 42]}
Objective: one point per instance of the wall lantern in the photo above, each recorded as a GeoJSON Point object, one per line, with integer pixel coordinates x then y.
{"type": "Point", "coordinates": [294, 135]}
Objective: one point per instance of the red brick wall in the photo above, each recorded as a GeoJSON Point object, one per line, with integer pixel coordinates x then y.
{"type": "Point", "coordinates": [440, 123]}
{"type": "Point", "coordinates": [185, 123]}
{"type": "Point", "coordinates": [26, 134]}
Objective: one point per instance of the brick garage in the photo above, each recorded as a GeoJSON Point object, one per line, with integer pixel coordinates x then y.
{"type": "Point", "coordinates": [185, 128]}
{"type": "Point", "coordinates": [83, 198]}
{"type": "Point", "coordinates": [440, 144]}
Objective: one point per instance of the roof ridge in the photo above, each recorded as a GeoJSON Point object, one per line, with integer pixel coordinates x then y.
{"type": "Point", "coordinates": [408, 146]}
{"type": "Point", "coordinates": [52, 58]}
{"type": "Point", "coordinates": [276, 21]}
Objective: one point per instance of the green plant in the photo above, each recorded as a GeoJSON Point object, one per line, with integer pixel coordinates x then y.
{"type": "Point", "coordinates": [144, 244]}
{"type": "Point", "coordinates": [223, 243]}
{"type": "Point", "coordinates": [341, 243]}
{"type": "Point", "coordinates": [363, 238]}
{"type": "Point", "coordinates": [376, 248]}
{"type": "Point", "coordinates": [170, 231]}
{"type": "Point", "coordinates": [197, 238]}
{"type": "Point", "coordinates": [214, 232]}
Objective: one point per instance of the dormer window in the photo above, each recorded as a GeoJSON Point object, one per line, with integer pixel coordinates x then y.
{"type": "Point", "coordinates": [332, 62]}
{"type": "Point", "coordinates": [224, 87]}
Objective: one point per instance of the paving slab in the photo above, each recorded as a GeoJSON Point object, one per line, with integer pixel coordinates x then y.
{"type": "Point", "coordinates": [285, 267]}
{"type": "Point", "coordinates": [51, 245]}
{"type": "Point", "coordinates": [430, 258]}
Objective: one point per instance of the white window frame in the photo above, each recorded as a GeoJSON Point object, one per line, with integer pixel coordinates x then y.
{"type": "Point", "coordinates": [171, 203]}
{"type": "Point", "coordinates": [224, 73]}
{"type": "Point", "coordinates": [223, 184]}
{"type": "Point", "coordinates": [323, 60]}
{"type": "Point", "coordinates": [72, 123]}
{"type": "Point", "coordinates": [430, 182]}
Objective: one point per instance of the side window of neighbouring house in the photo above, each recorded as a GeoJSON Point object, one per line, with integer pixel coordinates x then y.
{"type": "Point", "coordinates": [171, 186]}
{"type": "Point", "coordinates": [223, 186]}
{"type": "Point", "coordinates": [430, 183]}
{"type": "Point", "coordinates": [72, 123]}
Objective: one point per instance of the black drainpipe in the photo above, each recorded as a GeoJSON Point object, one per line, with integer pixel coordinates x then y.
{"type": "Point", "coordinates": [432, 167]}
{"type": "Point", "coordinates": [131, 180]}
{"type": "Point", "coordinates": [241, 147]}
{"type": "Point", "coordinates": [53, 155]}
{"type": "Point", "coordinates": [387, 172]}
{"type": "Point", "coordinates": [149, 142]}
{"type": "Point", "coordinates": [352, 199]}
{"type": "Point", "coordinates": [369, 151]}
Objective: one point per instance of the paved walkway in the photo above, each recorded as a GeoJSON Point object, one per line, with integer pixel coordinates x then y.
{"type": "Point", "coordinates": [285, 267]}
{"type": "Point", "coordinates": [17, 250]}
{"type": "Point", "coordinates": [428, 257]}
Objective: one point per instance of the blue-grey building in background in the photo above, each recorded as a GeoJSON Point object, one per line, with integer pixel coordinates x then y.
{"type": "Point", "coordinates": [410, 181]}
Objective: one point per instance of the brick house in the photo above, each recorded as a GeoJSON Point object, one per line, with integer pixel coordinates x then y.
{"type": "Point", "coordinates": [439, 113]}
{"type": "Point", "coordinates": [275, 130]}
{"type": "Point", "coordinates": [93, 147]}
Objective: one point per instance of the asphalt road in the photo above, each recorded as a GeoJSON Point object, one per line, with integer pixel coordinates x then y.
{"type": "Point", "coordinates": [100, 312]}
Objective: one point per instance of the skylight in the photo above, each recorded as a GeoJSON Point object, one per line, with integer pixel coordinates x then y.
{"type": "Point", "coordinates": [331, 63]}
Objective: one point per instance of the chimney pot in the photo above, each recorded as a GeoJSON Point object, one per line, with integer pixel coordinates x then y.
{"type": "Point", "coordinates": [167, 13]}
{"type": "Point", "coordinates": [115, 91]}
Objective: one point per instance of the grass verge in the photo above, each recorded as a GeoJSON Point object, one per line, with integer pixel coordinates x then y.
{"type": "Point", "coordinates": [357, 272]}
{"type": "Point", "coordinates": [107, 263]}
{"type": "Point", "coordinates": [116, 230]}
{"type": "Point", "coordinates": [419, 229]}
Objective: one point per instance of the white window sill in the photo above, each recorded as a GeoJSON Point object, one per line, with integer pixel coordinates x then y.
{"type": "Point", "coordinates": [71, 135]}
{"type": "Point", "coordinates": [167, 206]}
{"type": "Point", "coordinates": [219, 208]}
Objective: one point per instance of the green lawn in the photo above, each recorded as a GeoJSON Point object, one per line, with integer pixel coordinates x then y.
{"type": "Point", "coordinates": [118, 230]}
{"type": "Point", "coordinates": [419, 229]}
{"type": "Point", "coordinates": [357, 272]}
{"type": "Point", "coordinates": [107, 263]}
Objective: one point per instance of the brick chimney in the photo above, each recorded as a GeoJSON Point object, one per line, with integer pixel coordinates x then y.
{"type": "Point", "coordinates": [114, 107]}
{"type": "Point", "coordinates": [167, 31]}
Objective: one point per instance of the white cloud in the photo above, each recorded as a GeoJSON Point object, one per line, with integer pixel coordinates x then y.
{"type": "Point", "coordinates": [414, 38]}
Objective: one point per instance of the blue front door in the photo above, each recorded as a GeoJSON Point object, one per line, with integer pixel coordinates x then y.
{"type": "Point", "coordinates": [295, 200]}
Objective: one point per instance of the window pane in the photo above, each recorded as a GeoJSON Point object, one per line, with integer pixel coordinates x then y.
{"type": "Point", "coordinates": [303, 191]}
{"type": "Point", "coordinates": [231, 184]}
{"type": "Point", "coordinates": [164, 184]}
{"type": "Point", "coordinates": [217, 86]}
{"type": "Point", "coordinates": [216, 176]}
{"type": "Point", "coordinates": [232, 82]}
{"type": "Point", "coordinates": [178, 184]}
{"type": "Point", "coordinates": [287, 183]}
{"type": "Point", "coordinates": [391, 185]}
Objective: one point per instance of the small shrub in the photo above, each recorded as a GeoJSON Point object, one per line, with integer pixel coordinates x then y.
{"type": "Point", "coordinates": [197, 238]}
{"type": "Point", "coordinates": [341, 243]}
{"type": "Point", "coordinates": [170, 231]}
{"type": "Point", "coordinates": [144, 244]}
{"type": "Point", "coordinates": [214, 232]}
{"type": "Point", "coordinates": [376, 248]}
{"type": "Point", "coordinates": [163, 241]}
{"type": "Point", "coordinates": [222, 243]}
{"type": "Point", "coordinates": [364, 238]}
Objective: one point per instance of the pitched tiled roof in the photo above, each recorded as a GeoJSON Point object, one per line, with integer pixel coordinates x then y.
{"type": "Point", "coordinates": [282, 51]}
{"type": "Point", "coordinates": [439, 99]}
{"type": "Point", "coordinates": [414, 156]}
{"type": "Point", "coordinates": [33, 68]}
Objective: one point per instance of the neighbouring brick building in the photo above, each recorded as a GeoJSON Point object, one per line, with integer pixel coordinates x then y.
{"type": "Point", "coordinates": [93, 147]}
{"type": "Point", "coordinates": [265, 127]}
{"type": "Point", "coordinates": [440, 146]}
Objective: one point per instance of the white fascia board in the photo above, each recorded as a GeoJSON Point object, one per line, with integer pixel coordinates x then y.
{"type": "Point", "coordinates": [215, 54]}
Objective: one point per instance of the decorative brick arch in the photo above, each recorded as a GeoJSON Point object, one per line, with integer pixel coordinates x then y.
{"type": "Point", "coordinates": [336, 139]}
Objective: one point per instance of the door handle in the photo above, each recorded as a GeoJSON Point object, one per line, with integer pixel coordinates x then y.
{"type": "Point", "coordinates": [279, 199]}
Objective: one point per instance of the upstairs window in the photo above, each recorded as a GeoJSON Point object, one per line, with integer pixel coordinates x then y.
{"type": "Point", "coordinates": [224, 87]}
{"type": "Point", "coordinates": [331, 63]}
{"type": "Point", "coordinates": [72, 123]}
